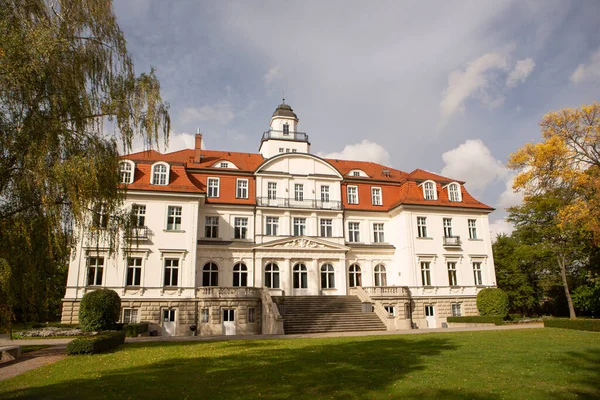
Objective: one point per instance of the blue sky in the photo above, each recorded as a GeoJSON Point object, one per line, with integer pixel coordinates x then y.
{"type": "Point", "coordinates": [450, 87]}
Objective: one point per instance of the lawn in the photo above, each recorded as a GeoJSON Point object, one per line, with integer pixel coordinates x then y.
{"type": "Point", "coordinates": [534, 364]}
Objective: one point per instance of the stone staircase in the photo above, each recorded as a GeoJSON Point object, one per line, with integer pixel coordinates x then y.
{"type": "Point", "coordinates": [313, 314]}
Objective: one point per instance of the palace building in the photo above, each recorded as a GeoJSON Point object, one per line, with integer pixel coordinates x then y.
{"type": "Point", "coordinates": [283, 241]}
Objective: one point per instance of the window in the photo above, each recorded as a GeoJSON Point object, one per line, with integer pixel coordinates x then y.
{"type": "Point", "coordinates": [376, 196]}
{"type": "Point", "coordinates": [380, 275]}
{"type": "Point", "coordinates": [240, 230]}
{"type": "Point", "coordinates": [299, 226]}
{"type": "Point", "coordinates": [390, 309]}
{"type": "Point", "coordinates": [240, 275]}
{"type": "Point", "coordinates": [353, 231]}
{"type": "Point", "coordinates": [171, 272]}
{"type": "Point", "coordinates": [251, 315]}
{"type": "Point", "coordinates": [454, 192]}
{"type": "Point", "coordinates": [477, 273]}
{"type": "Point", "coordinates": [456, 310]}
{"type": "Point", "coordinates": [138, 212]}
{"type": "Point", "coordinates": [272, 190]}
{"type": "Point", "coordinates": [213, 187]}
{"type": "Point", "coordinates": [299, 192]}
{"type": "Point", "coordinates": [272, 224]}
{"type": "Point", "coordinates": [354, 276]}
{"type": "Point", "coordinates": [95, 270]}
{"type": "Point", "coordinates": [159, 174]}
{"type": "Point", "coordinates": [429, 191]}
{"type": "Point", "coordinates": [204, 313]}
{"type": "Point", "coordinates": [422, 227]}
{"type": "Point", "coordinates": [352, 194]}
{"type": "Point", "coordinates": [355, 173]}
{"type": "Point", "coordinates": [294, 150]}
{"type": "Point", "coordinates": [210, 274]}
{"type": "Point", "coordinates": [174, 218]}
{"type": "Point", "coordinates": [130, 315]}
{"type": "Point", "coordinates": [286, 129]}
{"type": "Point", "coordinates": [224, 165]}
{"type": "Point", "coordinates": [425, 273]}
{"type": "Point", "coordinates": [378, 233]}
{"type": "Point", "coordinates": [452, 274]}
{"type": "Point", "coordinates": [447, 227]}
{"type": "Point", "coordinates": [242, 189]}
{"type": "Point", "coordinates": [134, 271]}
{"type": "Point", "coordinates": [281, 149]}
{"type": "Point", "coordinates": [300, 276]}
{"type": "Point", "coordinates": [325, 194]}
{"type": "Point", "coordinates": [429, 311]}
{"type": "Point", "coordinates": [272, 276]}
{"type": "Point", "coordinates": [100, 219]}
{"type": "Point", "coordinates": [126, 170]}
{"type": "Point", "coordinates": [287, 150]}
{"type": "Point", "coordinates": [326, 227]}
{"type": "Point", "coordinates": [211, 227]}
{"type": "Point", "coordinates": [327, 276]}
{"type": "Point", "coordinates": [472, 229]}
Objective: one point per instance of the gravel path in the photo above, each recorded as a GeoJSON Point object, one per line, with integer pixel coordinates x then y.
{"type": "Point", "coordinates": [32, 360]}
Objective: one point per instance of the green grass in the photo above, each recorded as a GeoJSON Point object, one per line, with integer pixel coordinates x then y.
{"type": "Point", "coordinates": [34, 347]}
{"type": "Point", "coordinates": [519, 364]}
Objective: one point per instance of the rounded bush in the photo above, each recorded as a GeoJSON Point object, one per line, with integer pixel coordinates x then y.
{"type": "Point", "coordinates": [492, 301]}
{"type": "Point", "coordinates": [99, 310]}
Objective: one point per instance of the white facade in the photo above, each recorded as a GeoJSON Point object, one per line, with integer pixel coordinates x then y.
{"type": "Point", "coordinates": [225, 232]}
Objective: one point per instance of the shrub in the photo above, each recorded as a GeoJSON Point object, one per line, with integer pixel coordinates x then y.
{"type": "Point", "coordinates": [578, 324]}
{"type": "Point", "coordinates": [514, 317]}
{"type": "Point", "coordinates": [99, 310]}
{"type": "Point", "coordinates": [492, 301]}
{"type": "Point", "coordinates": [96, 344]}
{"type": "Point", "coordinates": [476, 319]}
{"type": "Point", "coordinates": [132, 330]}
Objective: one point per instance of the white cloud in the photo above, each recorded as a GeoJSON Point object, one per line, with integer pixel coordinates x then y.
{"type": "Point", "coordinates": [181, 141]}
{"type": "Point", "coordinates": [221, 113]}
{"type": "Point", "coordinates": [589, 71]}
{"type": "Point", "coordinates": [510, 198]}
{"type": "Point", "coordinates": [520, 72]}
{"type": "Point", "coordinates": [500, 226]}
{"type": "Point", "coordinates": [272, 74]}
{"type": "Point", "coordinates": [473, 163]}
{"type": "Point", "coordinates": [363, 151]}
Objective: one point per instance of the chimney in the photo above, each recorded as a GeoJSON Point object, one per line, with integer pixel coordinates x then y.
{"type": "Point", "coordinates": [198, 148]}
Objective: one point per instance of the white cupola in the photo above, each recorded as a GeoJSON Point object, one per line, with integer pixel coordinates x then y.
{"type": "Point", "coordinates": [282, 136]}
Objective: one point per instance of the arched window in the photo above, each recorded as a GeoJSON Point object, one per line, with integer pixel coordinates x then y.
{"type": "Point", "coordinates": [210, 274]}
{"type": "Point", "coordinates": [380, 275]}
{"type": "Point", "coordinates": [126, 169]}
{"type": "Point", "coordinates": [429, 191]}
{"type": "Point", "coordinates": [327, 276]}
{"type": "Point", "coordinates": [272, 276]}
{"type": "Point", "coordinates": [240, 275]}
{"type": "Point", "coordinates": [300, 276]}
{"type": "Point", "coordinates": [160, 174]}
{"type": "Point", "coordinates": [454, 192]}
{"type": "Point", "coordinates": [354, 275]}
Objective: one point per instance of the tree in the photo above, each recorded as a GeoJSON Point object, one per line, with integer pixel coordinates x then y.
{"type": "Point", "coordinates": [65, 73]}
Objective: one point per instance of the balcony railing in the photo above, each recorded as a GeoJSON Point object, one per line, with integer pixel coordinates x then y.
{"type": "Point", "coordinates": [139, 233]}
{"type": "Point", "coordinates": [293, 203]}
{"type": "Point", "coordinates": [228, 292]}
{"type": "Point", "coordinates": [386, 291]}
{"type": "Point", "coordinates": [280, 135]}
{"type": "Point", "coordinates": [452, 241]}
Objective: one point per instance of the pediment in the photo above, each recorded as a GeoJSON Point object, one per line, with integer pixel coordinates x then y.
{"type": "Point", "coordinates": [302, 242]}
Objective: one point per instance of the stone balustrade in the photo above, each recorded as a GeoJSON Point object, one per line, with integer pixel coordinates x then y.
{"type": "Point", "coordinates": [386, 291]}
{"type": "Point", "coordinates": [228, 292]}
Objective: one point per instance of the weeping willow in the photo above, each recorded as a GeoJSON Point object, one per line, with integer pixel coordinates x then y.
{"type": "Point", "coordinates": [65, 75]}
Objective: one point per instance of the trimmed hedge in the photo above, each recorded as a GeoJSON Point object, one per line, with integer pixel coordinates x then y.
{"type": "Point", "coordinates": [476, 319]}
{"type": "Point", "coordinates": [99, 310]}
{"type": "Point", "coordinates": [578, 324]}
{"type": "Point", "coordinates": [132, 330]}
{"type": "Point", "coordinates": [492, 301]}
{"type": "Point", "coordinates": [96, 344]}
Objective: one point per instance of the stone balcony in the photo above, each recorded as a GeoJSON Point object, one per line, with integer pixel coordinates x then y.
{"type": "Point", "coordinates": [386, 291]}
{"type": "Point", "coordinates": [228, 292]}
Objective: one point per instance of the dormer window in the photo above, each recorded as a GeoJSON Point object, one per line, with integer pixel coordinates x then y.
{"type": "Point", "coordinates": [356, 173]}
{"type": "Point", "coordinates": [286, 129]}
{"type": "Point", "coordinates": [160, 174]}
{"type": "Point", "coordinates": [454, 192]}
{"type": "Point", "coordinates": [126, 169]}
{"type": "Point", "coordinates": [224, 165]}
{"type": "Point", "coordinates": [429, 190]}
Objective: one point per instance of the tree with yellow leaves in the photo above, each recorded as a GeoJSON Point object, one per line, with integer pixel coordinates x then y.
{"type": "Point", "coordinates": [565, 167]}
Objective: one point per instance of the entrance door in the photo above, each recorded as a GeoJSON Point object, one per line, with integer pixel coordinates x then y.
{"type": "Point", "coordinates": [430, 316]}
{"type": "Point", "coordinates": [228, 321]}
{"type": "Point", "coordinates": [168, 322]}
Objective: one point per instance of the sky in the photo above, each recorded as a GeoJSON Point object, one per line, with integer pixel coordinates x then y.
{"type": "Point", "coordinates": [449, 87]}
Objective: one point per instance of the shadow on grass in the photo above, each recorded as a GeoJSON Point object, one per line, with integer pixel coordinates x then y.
{"type": "Point", "coordinates": [587, 367]}
{"type": "Point", "coordinates": [338, 369]}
